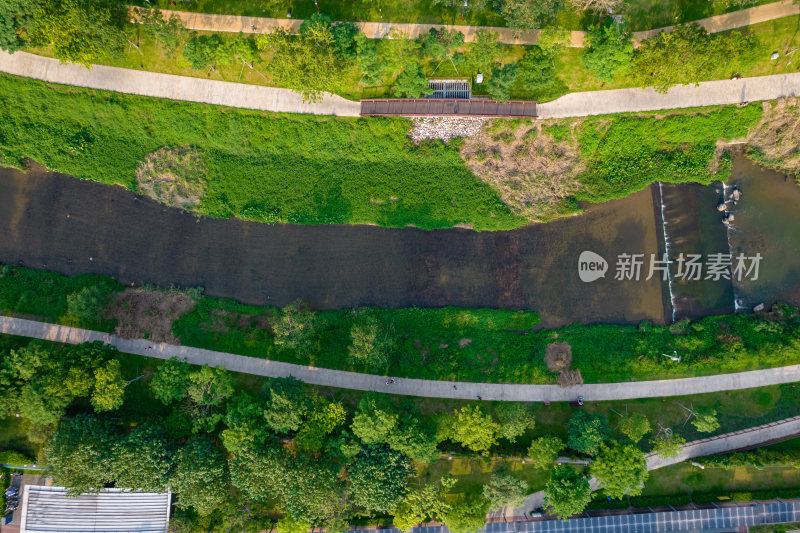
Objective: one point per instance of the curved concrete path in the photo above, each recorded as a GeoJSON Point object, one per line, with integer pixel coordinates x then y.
{"type": "Point", "coordinates": [288, 101]}
{"type": "Point", "coordinates": [706, 93]}
{"type": "Point", "coordinates": [384, 30]}
{"type": "Point", "coordinates": [174, 87]}
{"type": "Point", "coordinates": [406, 386]}
{"type": "Point", "coordinates": [755, 436]}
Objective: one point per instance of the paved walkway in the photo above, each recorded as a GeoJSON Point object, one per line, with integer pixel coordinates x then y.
{"type": "Point", "coordinates": [788, 427]}
{"type": "Point", "coordinates": [411, 387]}
{"type": "Point", "coordinates": [174, 87]}
{"type": "Point", "coordinates": [287, 101]}
{"type": "Point", "coordinates": [706, 93]}
{"type": "Point", "coordinates": [382, 30]}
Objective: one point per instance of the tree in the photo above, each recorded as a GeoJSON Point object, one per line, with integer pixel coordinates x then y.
{"type": "Point", "coordinates": [705, 420]}
{"type": "Point", "coordinates": [344, 39]}
{"type": "Point", "coordinates": [143, 460]}
{"type": "Point", "coordinates": [439, 43]}
{"type": "Point", "coordinates": [109, 387]}
{"type": "Point", "coordinates": [505, 490]}
{"type": "Point", "coordinates": [600, 6]}
{"type": "Point", "coordinates": [370, 344]}
{"type": "Point", "coordinates": [244, 419]}
{"type": "Point", "coordinates": [204, 51]}
{"type": "Point", "coordinates": [425, 503]}
{"type": "Point", "coordinates": [667, 445]}
{"type": "Point", "coordinates": [171, 380]}
{"type": "Point", "coordinates": [688, 54]}
{"type": "Point", "coordinates": [536, 68]}
{"type": "Point", "coordinates": [514, 419]}
{"type": "Point", "coordinates": [375, 419]}
{"type": "Point", "coordinates": [207, 389]}
{"type": "Point", "coordinates": [79, 456]}
{"type": "Point", "coordinates": [398, 53]}
{"type": "Point", "coordinates": [474, 429]}
{"type": "Point", "coordinates": [80, 31]}
{"type": "Point", "coordinates": [200, 480]}
{"type": "Point", "coordinates": [635, 426]}
{"type": "Point", "coordinates": [524, 14]}
{"type": "Point", "coordinates": [499, 85]}
{"type": "Point", "coordinates": [169, 33]}
{"type": "Point", "coordinates": [467, 516]}
{"type": "Point", "coordinates": [544, 451]}
{"type": "Point", "coordinates": [287, 524]}
{"type": "Point", "coordinates": [610, 49]}
{"type": "Point", "coordinates": [415, 438]}
{"type": "Point", "coordinates": [621, 470]}
{"type": "Point", "coordinates": [567, 493]}
{"type": "Point", "coordinates": [411, 83]}
{"type": "Point", "coordinates": [378, 478]}
{"type": "Point", "coordinates": [295, 329]}
{"type": "Point", "coordinates": [485, 51]}
{"type": "Point", "coordinates": [286, 404]}
{"type": "Point", "coordinates": [587, 432]}
{"type": "Point", "coordinates": [368, 60]}
{"type": "Point", "coordinates": [86, 305]}
{"type": "Point", "coordinates": [16, 18]}
{"type": "Point", "coordinates": [323, 419]}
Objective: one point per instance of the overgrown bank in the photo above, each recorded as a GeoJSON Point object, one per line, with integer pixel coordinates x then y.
{"type": "Point", "coordinates": [541, 169]}
{"type": "Point", "coordinates": [480, 345]}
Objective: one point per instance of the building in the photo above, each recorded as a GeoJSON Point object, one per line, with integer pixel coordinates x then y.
{"type": "Point", "coordinates": [52, 510]}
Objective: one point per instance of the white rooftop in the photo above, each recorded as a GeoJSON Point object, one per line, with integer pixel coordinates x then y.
{"type": "Point", "coordinates": [50, 509]}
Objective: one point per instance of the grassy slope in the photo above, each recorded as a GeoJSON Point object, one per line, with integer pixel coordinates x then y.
{"type": "Point", "coordinates": [266, 167]}
{"type": "Point", "coordinates": [427, 340]}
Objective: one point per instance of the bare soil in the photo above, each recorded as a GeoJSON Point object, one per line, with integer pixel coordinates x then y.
{"type": "Point", "coordinates": [143, 313]}
{"type": "Point", "coordinates": [173, 176]}
{"type": "Point", "coordinates": [529, 169]}
{"type": "Point", "coordinates": [558, 356]}
{"type": "Point", "coordinates": [777, 136]}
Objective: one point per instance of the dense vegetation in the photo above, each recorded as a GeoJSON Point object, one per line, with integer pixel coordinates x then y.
{"type": "Point", "coordinates": [339, 58]}
{"type": "Point", "coordinates": [451, 343]}
{"type": "Point", "coordinates": [264, 167]}
{"type": "Point", "coordinates": [236, 450]}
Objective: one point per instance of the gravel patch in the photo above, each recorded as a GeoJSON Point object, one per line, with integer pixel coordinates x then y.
{"type": "Point", "coordinates": [444, 128]}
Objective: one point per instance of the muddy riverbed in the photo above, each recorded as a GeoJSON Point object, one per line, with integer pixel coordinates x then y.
{"type": "Point", "coordinates": [53, 221]}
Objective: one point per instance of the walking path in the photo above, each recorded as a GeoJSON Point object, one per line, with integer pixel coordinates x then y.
{"type": "Point", "coordinates": [759, 435]}
{"type": "Point", "coordinates": [406, 386]}
{"type": "Point", "coordinates": [384, 30]}
{"type": "Point", "coordinates": [174, 87]}
{"type": "Point", "coordinates": [287, 101]}
{"type": "Point", "coordinates": [705, 94]}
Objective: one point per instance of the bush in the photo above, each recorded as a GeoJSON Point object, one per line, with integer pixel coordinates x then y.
{"type": "Point", "coordinates": [15, 458]}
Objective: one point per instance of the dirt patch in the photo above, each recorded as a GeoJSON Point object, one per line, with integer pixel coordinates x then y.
{"type": "Point", "coordinates": [775, 140]}
{"type": "Point", "coordinates": [532, 171]}
{"type": "Point", "coordinates": [558, 358]}
{"type": "Point", "coordinates": [142, 313]}
{"type": "Point", "coordinates": [173, 176]}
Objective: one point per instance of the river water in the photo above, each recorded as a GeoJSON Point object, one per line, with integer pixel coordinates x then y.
{"type": "Point", "coordinates": [56, 222]}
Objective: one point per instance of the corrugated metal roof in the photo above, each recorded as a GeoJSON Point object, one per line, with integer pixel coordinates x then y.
{"type": "Point", "coordinates": [50, 509]}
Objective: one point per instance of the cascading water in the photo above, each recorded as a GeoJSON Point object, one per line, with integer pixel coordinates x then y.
{"type": "Point", "coordinates": [667, 255]}
{"type": "Point", "coordinates": [726, 197]}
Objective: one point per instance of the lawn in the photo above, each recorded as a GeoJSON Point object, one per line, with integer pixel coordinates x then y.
{"type": "Point", "coordinates": [265, 167]}
{"type": "Point", "coordinates": [642, 14]}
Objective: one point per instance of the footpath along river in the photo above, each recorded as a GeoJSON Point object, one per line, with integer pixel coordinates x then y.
{"type": "Point", "coordinates": [53, 221]}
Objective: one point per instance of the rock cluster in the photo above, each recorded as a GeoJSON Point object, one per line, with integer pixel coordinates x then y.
{"type": "Point", "coordinates": [444, 128]}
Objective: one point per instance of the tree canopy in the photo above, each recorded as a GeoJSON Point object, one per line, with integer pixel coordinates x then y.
{"type": "Point", "coordinates": [586, 432]}
{"type": "Point", "coordinates": [505, 490]}
{"type": "Point", "coordinates": [610, 49]}
{"type": "Point", "coordinates": [543, 451]}
{"type": "Point", "coordinates": [474, 429]}
{"type": "Point", "coordinates": [567, 493]}
{"type": "Point", "coordinates": [621, 469]}
{"type": "Point", "coordinates": [379, 478]}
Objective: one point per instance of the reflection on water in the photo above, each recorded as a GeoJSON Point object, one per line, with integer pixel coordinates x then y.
{"type": "Point", "coordinates": [766, 221]}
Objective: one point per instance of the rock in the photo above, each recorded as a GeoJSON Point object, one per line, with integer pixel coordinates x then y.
{"type": "Point", "coordinates": [758, 308]}
{"type": "Point", "coordinates": [774, 56]}
{"type": "Point", "coordinates": [444, 128]}
{"type": "Point", "coordinates": [721, 205]}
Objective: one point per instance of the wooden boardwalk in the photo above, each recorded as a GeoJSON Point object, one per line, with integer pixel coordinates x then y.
{"type": "Point", "coordinates": [438, 107]}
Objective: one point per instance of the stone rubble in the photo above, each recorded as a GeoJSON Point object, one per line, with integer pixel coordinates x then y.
{"type": "Point", "coordinates": [444, 128]}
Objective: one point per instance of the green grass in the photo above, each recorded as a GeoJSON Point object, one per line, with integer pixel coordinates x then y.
{"type": "Point", "coordinates": [264, 167]}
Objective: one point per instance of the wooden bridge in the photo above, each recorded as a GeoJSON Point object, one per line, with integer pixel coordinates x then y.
{"type": "Point", "coordinates": [440, 107]}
